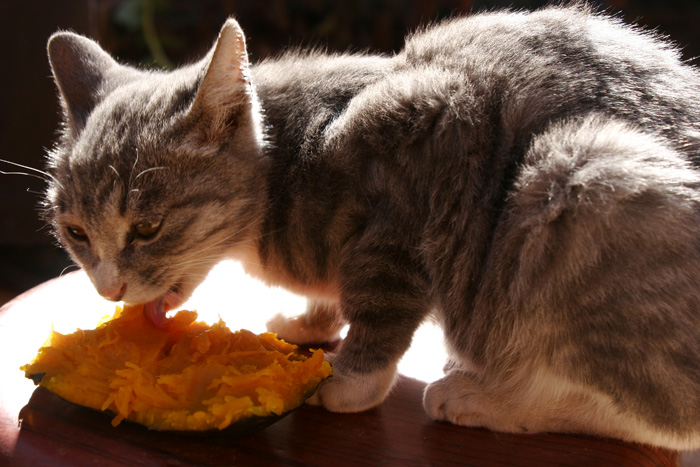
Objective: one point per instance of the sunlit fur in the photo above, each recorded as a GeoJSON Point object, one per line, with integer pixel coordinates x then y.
{"type": "Point", "coordinates": [531, 179]}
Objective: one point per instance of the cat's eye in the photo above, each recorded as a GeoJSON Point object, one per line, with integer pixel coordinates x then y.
{"type": "Point", "coordinates": [148, 228]}
{"type": "Point", "coordinates": [77, 232]}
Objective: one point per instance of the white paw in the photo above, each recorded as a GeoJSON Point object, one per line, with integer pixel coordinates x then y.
{"type": "Point", "coordinates": [297, 331]}
{"type": "Point", "coordinates": [452, 399]}
{"type": "Point", "coordinates": [435, 399]}
{"type": "Point", "coordinates": [457, 399]}
{"type": "Point", "coordinates": [354, 392]}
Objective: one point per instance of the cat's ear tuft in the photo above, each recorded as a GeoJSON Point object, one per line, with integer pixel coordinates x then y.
{"type": "Point", "coordinates": [227, 81]}
{"type": "Point", "coordinates": [79, 66]}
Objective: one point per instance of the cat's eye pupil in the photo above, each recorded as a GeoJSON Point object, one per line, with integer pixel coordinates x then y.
{"type": "Point", "coordinates": [148, 228]}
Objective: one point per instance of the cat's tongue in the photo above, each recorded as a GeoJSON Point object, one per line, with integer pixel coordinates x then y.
{"type": "Point", "coordinates": [155, 310]}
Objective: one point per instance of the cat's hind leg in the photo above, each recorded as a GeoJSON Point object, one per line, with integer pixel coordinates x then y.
{"type": "Point", "coordinates": [543, 402]}
{"type": "Point", "coordinates": [587, 318]}
{"type": "Point", "coordinates": [321, 323]}
{"type": "Point", "coordinates": [464, 397]}
{"type": "Point", "coordinates": [459, 398]}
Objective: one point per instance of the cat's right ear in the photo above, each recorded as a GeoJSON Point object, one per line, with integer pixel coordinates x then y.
{"type": "Point", "coordinates": [226, 84]}
{"type": "Point", "coordinates": [80, 67]}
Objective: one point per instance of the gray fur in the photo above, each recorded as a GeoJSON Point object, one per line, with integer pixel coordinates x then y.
{"type": "Point", "coordinates": [531, 177]}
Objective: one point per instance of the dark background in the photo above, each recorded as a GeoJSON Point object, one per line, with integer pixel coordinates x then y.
{"type": "Point", "coordinates": [166, 32]}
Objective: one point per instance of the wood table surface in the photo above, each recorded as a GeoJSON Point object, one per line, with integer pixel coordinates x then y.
{"type": "Point", "coordinates": [38, 428]}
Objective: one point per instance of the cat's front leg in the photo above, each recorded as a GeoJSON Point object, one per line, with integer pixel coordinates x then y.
{"type": "Point", "coordinates": [384, 301]}
{"type": "Point", "coordinates": [350, 391]}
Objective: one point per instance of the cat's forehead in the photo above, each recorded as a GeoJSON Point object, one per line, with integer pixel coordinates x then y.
{"type": "Point", "coordinates": [106, 202]}
{"type": "Point", "coordinates": [124, 122]}
{"type": "Point", "coordinates": [128, 183]}
{"type": "Point", "coordinates": [127, 134]}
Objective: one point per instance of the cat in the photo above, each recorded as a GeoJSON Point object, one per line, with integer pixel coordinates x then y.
{"type": "Point", "coordinates": [529, 180]}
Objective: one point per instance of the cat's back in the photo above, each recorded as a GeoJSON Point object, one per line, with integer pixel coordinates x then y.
{"type": "Point", "coordinates": [527, 70]}
{"type": "Point", "coordinates": [502, 41]}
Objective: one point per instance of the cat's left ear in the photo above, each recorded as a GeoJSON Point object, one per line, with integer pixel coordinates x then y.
{"type": "Point", "coordinates": [227, 80]}
{"type": "Point", "coordinates": [80, 68]}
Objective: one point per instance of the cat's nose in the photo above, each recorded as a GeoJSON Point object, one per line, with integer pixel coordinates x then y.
{"type": "Point", "coordinates": [115, 293]}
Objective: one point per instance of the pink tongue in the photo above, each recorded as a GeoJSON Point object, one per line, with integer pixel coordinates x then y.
{"type": "Point", "coordinates": [155, 311]}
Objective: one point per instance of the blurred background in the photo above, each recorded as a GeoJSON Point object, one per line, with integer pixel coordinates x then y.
{"type": "Point", "coordinates": [164, 33]}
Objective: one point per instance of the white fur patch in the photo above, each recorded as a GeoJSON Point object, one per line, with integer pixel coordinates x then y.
{"type": "Point", "coordinates": [354, 392]}
{"type": "Point", "coordinates": [548, 404]}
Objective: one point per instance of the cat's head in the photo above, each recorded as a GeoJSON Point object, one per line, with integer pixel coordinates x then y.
{"type": "Point", "coordinates": [157, 175]}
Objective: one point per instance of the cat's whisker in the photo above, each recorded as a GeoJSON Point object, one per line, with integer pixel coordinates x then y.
{"type": "Point", "coordinates": [119, 177]}
{"type": "Point", "coordinates": [194, 275]}
{"type": "Point", "coordinates": [67, 268]}
{"type": "Point", "coordinates": [248, 262]}
{"type": "Point", "coordinates": [190, 262]}
{"type": "Point", "coordinates": [197, 253]}
{"type": "Point", "coordinates": [115, 171]}
{"type": "Point", "coordinates": [146, 171]}
{"type": "Point", "coordinates": [196, 258]}
{"type": "Point", "coordinates": [2, 172]}
{"type": "Point", "coordinates": [212, 245]}
{"type": "Point", "coordinates": [131, 173]}
{"type": "Point", "coordinates": [40, 174]}
{"type": "Point", "coordinates": [199, 261]}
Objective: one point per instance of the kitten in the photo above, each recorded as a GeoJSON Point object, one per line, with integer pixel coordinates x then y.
{"type": "Point", "coordinates": [530, 178]}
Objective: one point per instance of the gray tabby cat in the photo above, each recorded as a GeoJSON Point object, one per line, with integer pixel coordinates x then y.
{"type": "Point", "coordinates": [530, 179]}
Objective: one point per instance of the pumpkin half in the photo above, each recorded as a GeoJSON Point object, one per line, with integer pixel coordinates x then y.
{"type": "Point", "coordinates": [180, 375]}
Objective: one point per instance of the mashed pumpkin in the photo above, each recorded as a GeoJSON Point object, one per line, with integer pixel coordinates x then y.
{"type": "Point", "coordinates": [180, 375]}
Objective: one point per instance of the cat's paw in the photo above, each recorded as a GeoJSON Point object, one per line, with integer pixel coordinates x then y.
{"type": "Point", "coordinates": [298, 331]}
{"type": "Point", "coordinates": [454, 399]}
{"type": "Point", "coordinates": [354, 392]}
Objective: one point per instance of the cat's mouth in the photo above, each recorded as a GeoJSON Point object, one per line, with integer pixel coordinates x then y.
{"type": "Point", "coordinates": [155, 310]}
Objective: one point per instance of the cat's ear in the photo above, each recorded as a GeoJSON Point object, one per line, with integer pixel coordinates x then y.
{"type": "Point", "coordinates": [80, 67]}
{"type": "Point", "coordinates": [226, 83]}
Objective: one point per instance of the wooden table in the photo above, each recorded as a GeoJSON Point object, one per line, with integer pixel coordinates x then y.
{"type": "Point", "coordinates": [38, 428]}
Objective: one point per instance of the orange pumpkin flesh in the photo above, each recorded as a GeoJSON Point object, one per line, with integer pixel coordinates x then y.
{"type": "Point", "coordinates": [181, 375]}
